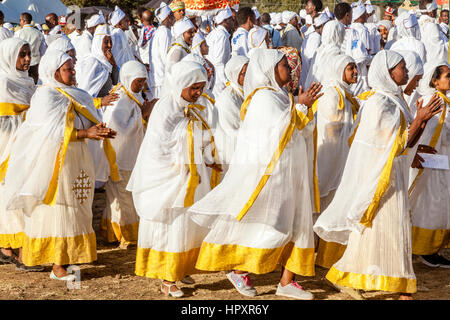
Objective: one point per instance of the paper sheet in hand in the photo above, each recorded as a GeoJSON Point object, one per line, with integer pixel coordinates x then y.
{"type": "Point", "coordinates": [435, 161]}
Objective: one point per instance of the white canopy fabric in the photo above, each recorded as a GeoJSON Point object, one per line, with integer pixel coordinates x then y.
{"type": "Point", "coordinates": [37, 8]}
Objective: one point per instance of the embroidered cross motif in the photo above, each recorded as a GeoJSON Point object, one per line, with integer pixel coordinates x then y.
{"type": "Point", "coordinates": [82, 187]}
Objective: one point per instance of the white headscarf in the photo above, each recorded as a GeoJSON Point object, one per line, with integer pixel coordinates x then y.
{"type": "Point", "coordinates": [223, 15]}
{"type": "Point", "coordinates": [21, 86]}
{"type": "Point", "coordinates": [130, 71]}
{"type": "Point", "coordinates": [358, 11]}
{"type": "Point", "coordinates": [413, 64]}
{"type": "Point", "coordinates": [432, 6]}
{"type": "Point", "coordinates": [197, 42]}
{"type": "Point", "coordinates": [336, 71]}
{"type": "Point", "coordinates": [385, 23]}
{"type": "Point", "coordinates": [182, 75]}
{"type": "Point", "coordinates": [429, 68]}
{"type": "Point", "coordinates": [182, 26]}
{"type": "Point", "coordinates": [321, 19]}
{"type": "Point", "coordinates": [97, 43]}
{"type": "Point", "coordinates": [62, 44]}
{"type": "Point", "coordinates": [52, 60]}
{"type": "Point", "coordinates": [287, 16]}
{"type": "Point", "coordinates": [116, 16]}
{"type": "Point", "coordinates": [162, 12]}
{"type": "Point", "coordinates": [407, 26]}
{"type": "Point", "coordinates": [379, 77]}
{"type": "Point", "coordinates": [95, 20]}
{"type": "Point", "coordinates": [233, 69]}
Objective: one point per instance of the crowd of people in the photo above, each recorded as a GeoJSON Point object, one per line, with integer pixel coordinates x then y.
{"type": "Point", "coordinates": [238, 142]}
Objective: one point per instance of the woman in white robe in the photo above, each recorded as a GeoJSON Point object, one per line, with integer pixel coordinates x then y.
{"type": "Point", "coordinates": [430, 189]}
{"type": "Point", "coordinates": [228, 105]}
{"type": "Point", "coordinates": [370, 210]}
{"type": "Point", "coordinates": [16, 89]}
{"type": "Point", "coordinates": [96, 72]}
{"type": "Point", "coordinates": [260, 215]}
{"type": "Point", "coordinates": [415, 73]}
{"type": "Point", "coordinates": [436, 47]}
{"type": "Point", "coordinates": [120, 221]}
{"type": "Point", "coordinates": [51, 173]}
{"type": "Point", "coordinates": [336, 112]}
{"type": "Point", "coordinates": [333, 34]}
{"type": "Point", "coordinates": [184, 32]}
{"type": "Point", "coordinates": [409, 36]}
{"type": "Point", "coordinates": [169, 176]}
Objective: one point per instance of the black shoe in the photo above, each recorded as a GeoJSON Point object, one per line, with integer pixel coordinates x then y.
{"type": "Point", "coordinates": [443, 262]}
{"type": "Point", "coordinates": [430, 260]}
{"type": "Point", "coordinates": [21, 267]}
{"type": "Point", "coordinates": [7, 259]}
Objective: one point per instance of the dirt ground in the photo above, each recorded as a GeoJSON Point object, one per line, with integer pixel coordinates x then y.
{"type": "Point", "coordinates": [112, 278]}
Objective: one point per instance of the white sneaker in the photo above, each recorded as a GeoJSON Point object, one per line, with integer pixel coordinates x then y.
{"type": "Point", "coordinates": [176, 294]}
{"type": "Point", "coordinates": [69, 277]}
{"type": "Point", "coordinates": [188, 280]}
{"type": "Point", "coordinates": [242, 283]}
{"type": "Point", "coordinates": [294, 290]}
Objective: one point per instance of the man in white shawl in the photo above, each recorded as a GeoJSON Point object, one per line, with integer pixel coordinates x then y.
{"type": "Point", "coordinates": [51, 173]}
{"type": "Point", "coordinates": [436, 47]}
{"type": "Point", "coordinates": [260, 215]}
{"type": "Point", "coordinates": [169, 176]}
{"type": "Point", "coordinates": [312, 42]}
{"type": "Point", "coordinates": [429, 188]}
{"type": "Point", "coordinates": [408, 36]}
{"type": "Point", "coordinates": [246, 20]}
{"type": "Point", "coordinates": [120, 221]}
{"type": "Point", "coordinates": [183, 32]}
{"type": "Point", "coordinates": [291, 36]}
{"type": "Point", "coordinates": [121, 49]}
{"type": "Point", "coordinates": [370, 210]}
{"type": "Point", "coordinates": [218, 41]}
{"type": "Point", "coordinates": [84, 44]}
{"type": "Point", "coordinates": [228, 105]}
{"type": "Point", "coordinates": [358, 46]}
{"type": "Point", "coordinates": [336, 112]}
{"type": "Point", "coordinates": [15, 95]}
{"type": "Point", "coordinates": [160, 43]}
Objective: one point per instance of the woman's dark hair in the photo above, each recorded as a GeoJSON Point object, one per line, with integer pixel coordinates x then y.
{"type": "Point", "coordinates": [436, 75]}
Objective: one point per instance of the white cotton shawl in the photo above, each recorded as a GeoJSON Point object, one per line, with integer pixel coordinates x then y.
{"type": "Point", "coordinates": [287, 190]}
{"type": "Point", "coordinates": [176, 53]}
{"type": "Point", "coordinates": [40, 137]}
{"type": "Point", "coordinates": [62, 44]}
{"type": "Point", "coordinates": [93, 71]}
{"type": "Point", "coordinates": [125, 117]}
{"type": "Point", "coordinates": [5, 33]}
{"type": "Point", "coordinates": [334, 127]}
{"type": "Point", "coordinates": [333, 34]}
{"type": "Point", "coordinates": [436, 47]}
{"type": "Point", "coordinates": [413, 64]}
{"type": "Point", "coordinates": [159, 179]}
{"type": "Point", "coordinates": [379, 121]}
{"type": "Point", "coordinates": [228, 105]}
{"type": "Point", "coordinates": [15, 87]}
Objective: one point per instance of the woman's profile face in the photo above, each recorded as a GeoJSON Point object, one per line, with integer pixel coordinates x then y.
{"type": "Point", "coordinates": [193, 92]}
{"type": "Point", "coordinates": [283, 72]}
{"type": "Point", "coordinates": [399, 73]}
